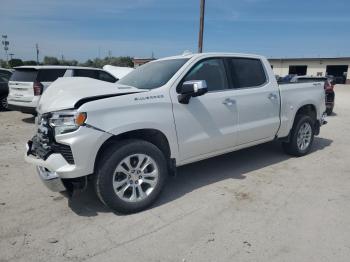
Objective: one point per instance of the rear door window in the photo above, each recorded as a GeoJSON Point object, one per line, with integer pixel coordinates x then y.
{"type": "Point", "coordinates": [107, 77]}
{"type": "Point", "coordinates": [50, 75]}
{"type": "Point", "coordinates": [24, 75]}
{"type": "Point", "coordinates": [247, 72]}
{"type": "Point", "coordinates": [86, 73]}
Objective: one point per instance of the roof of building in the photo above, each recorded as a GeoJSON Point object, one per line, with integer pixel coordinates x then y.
{"type": "Point", "coordinates": [311, 58]}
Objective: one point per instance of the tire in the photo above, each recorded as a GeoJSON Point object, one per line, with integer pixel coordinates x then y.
{"type": "Point", "coordinates": [3, 104]}
{"type": "Point", "coordinates": [127, 188]}
{"type": "Point", "coordinates": [329, 111]}
{"type": "Point", "coordinates": [300, 149]}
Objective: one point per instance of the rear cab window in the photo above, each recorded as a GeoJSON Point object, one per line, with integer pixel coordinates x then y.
{"type": "Point", "coordinates": [247, 72]}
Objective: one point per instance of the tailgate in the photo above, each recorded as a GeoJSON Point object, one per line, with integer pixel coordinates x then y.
{"type": "Point", "coordinates": [21, 84]}
{"type": "Point", "coordinates": [21, 91]}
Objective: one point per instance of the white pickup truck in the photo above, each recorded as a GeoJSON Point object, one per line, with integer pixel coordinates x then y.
{"type": "Point", "coordinates": [127, 137]}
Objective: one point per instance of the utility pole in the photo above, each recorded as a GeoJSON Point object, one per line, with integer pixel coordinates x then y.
{"type": "Point", "coordinates": [6, 44]}
{"type": "Point", "coordinates": [37, 53]}
{"type": "Point", "coordinates": [201, 26]}
{"type": "Point", "coordinates": [11, 56]}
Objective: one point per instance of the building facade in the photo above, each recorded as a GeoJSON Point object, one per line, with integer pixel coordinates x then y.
{"type": "Point", "coordinates": [141, 61]}
{"type": "Point", "coordinates": [338, 67]}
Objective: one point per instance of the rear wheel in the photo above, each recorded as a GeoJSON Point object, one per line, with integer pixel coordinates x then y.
{"type": "Point", "coordinates": [131, 176]}
{"type": "Point", "coordinates": [302, 136]}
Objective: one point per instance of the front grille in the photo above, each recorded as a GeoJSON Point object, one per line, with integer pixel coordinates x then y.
{"type": "Point", "coordinates": [43, 143]}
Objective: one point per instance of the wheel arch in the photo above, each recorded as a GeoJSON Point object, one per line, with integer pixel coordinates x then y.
{"type": "Point", "coordinates": [305, 109]}
{"type": "Point", "coordinates": [308, 109]}
{"type": "Point", "coordinates": [154, 136]}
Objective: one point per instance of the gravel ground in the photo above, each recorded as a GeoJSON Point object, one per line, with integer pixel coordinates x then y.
{"type": "Point", "coordinates": [257, 204]}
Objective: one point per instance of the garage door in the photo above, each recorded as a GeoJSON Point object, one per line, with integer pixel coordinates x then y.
{"type": "Point", "coordinates": [339, 73]}
{"type": "Point", "coordinates": [299, 70]}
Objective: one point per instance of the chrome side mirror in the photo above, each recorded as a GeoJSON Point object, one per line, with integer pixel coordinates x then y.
{"type": "Point", "coordinates": [190, 89]}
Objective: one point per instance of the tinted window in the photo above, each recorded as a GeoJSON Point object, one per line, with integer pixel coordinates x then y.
{"type": "Point", "coordinates": [247, 72]}
{"type": "Point", "coordinates": [153, 74]}
{"type": "Point", "coordinates": [24, 75]}
{"type": "Point", "coordinates": [86, 73]}
{"type": "Point", "coordinates": [5, 76]}
{"type": "Point", "coordinates": [212, 71]}
{"type": "Point", "coordinates": [107, 77]}
{"type": "Point", "coordinates": [50, 75]}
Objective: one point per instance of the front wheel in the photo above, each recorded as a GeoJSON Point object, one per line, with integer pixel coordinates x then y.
{"type": "Point", "coordinates": [302, 136]}
{"type": "Point", "coordinates": [130, 176]}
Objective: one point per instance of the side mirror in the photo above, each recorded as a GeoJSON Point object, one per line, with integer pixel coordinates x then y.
{"type": "Point", "coordinates": [192, 89]}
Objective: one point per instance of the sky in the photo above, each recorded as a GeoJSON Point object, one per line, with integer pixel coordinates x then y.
{"type": "Point", "coordinates": [83, 29]}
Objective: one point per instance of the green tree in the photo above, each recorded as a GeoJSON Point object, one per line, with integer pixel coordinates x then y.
{"type": "Point", "coordinates": [29, 62]}
{"type": "Point", "coordinates": [15, 62]}
{"type": "Point", "coordinates": [51, 60]}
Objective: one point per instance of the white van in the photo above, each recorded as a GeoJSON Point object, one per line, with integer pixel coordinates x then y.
{"type": "Point", "coordinates": [27, 83]}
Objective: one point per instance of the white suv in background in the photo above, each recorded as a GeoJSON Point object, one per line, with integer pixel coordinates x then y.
{"type": "Point", "coordinates": [27, 83]}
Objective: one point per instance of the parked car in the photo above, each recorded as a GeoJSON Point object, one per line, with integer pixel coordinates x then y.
{"type": "Point", "coordinates": [29, 82]}
{"type": "Point", "coordinates": [165, 114]}
{"type": "Point", "coordinates": [328, 87]}
{"type": "Point", "coordinates": [118, 71]}
{"type": "Point", "coordinates": [5, 75]}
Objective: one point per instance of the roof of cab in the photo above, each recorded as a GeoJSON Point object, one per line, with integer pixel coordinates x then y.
{"type": "Point", "coordinates": [210, 54]}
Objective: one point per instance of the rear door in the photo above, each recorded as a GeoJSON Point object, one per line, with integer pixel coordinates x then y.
{"type": "Point", "coordinates": [21, 84]}
{"type": "Point", "coordinates": [257, 100]}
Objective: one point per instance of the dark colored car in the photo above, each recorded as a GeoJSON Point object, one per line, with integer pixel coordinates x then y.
{"type": "Point", "coordinates": [4, 88]}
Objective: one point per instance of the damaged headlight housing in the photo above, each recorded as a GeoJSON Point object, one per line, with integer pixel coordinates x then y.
{"type": "Point", "coordinates": [67, 121]}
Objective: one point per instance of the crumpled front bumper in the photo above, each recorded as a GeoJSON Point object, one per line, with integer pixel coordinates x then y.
{"type": "Point", "coordinates": [48, 169]}
{"type": "Point", "coordinates": [50, 179]}
{"type": "Point", "coordinates": [84, 144]}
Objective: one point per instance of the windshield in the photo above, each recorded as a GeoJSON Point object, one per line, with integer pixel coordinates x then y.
{"type": "Point", "coordinates": [153, 74]}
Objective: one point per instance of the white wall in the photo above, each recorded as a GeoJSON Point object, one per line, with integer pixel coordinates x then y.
{"type": "Point", "coordinates": [281, 67]}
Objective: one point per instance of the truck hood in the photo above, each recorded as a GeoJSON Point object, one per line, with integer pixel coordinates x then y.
{"type": "Point", "coordinates": [70, 92]}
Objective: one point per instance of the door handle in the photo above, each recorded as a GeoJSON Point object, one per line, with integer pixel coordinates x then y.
{"type": "Point", "coordinates": [229, 101]}
{"type": "Point", "coordinates": [272, 96]}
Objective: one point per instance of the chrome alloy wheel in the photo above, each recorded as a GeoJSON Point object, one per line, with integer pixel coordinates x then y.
{"type": "Point", "coordinates": [135, 177]}
{"type": "Point", "coordinates": [304, 136]}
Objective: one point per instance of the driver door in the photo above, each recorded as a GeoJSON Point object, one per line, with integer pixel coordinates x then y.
{"type": "Point", "coordinates": [208, 123]}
